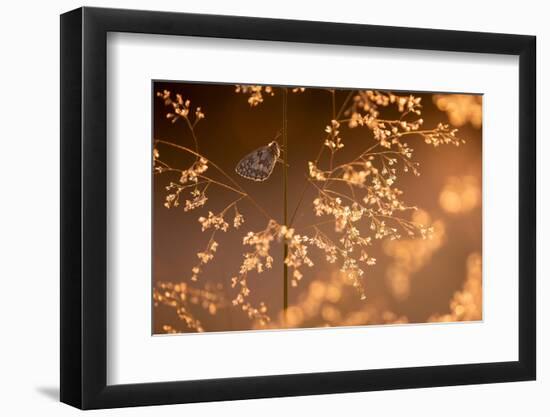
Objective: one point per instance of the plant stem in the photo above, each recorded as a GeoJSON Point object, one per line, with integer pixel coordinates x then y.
{"type": "Point", "coordinates": [192, 129]}
{"type": "Point", "coordinates": [285, 202]}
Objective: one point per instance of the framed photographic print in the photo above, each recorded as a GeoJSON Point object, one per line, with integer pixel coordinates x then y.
{"type": "Point", "coordinates": [255, 208]}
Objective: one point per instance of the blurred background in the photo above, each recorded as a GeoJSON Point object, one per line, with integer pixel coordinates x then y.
{"type": "Point", "coordinates": [414, 280]}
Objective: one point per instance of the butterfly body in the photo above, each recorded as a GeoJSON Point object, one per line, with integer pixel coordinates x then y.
{"type": "Point", "coordinates": [258, 165]}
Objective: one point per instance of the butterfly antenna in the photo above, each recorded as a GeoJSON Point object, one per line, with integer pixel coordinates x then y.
{"type": "Point", "coordinates": [279, 134]}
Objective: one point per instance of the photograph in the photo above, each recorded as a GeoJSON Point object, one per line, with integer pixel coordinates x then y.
{"type": "Point", "coordinates": [292, 207]}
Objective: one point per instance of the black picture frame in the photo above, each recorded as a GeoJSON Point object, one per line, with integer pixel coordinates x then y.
{"type": "Point", "coordinates": [84, 207]}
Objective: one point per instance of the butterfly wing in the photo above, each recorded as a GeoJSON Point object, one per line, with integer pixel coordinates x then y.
{"type": "Point", "coordinates": [257, 165]}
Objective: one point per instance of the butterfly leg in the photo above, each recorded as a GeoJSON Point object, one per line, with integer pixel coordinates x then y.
{"type": "Point", "coordinates": [282, 162]}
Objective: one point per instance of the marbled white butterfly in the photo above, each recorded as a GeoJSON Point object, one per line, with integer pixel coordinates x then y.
{"type": "Point", "coordinates": [258, 165]}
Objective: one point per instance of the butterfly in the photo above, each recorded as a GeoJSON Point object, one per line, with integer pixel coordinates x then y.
{"type": "Point", "coordinates": [258, 165]}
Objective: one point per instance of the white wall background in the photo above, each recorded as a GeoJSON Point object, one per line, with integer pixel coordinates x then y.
{"type": "Point", "coordinates": [29, 225]}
